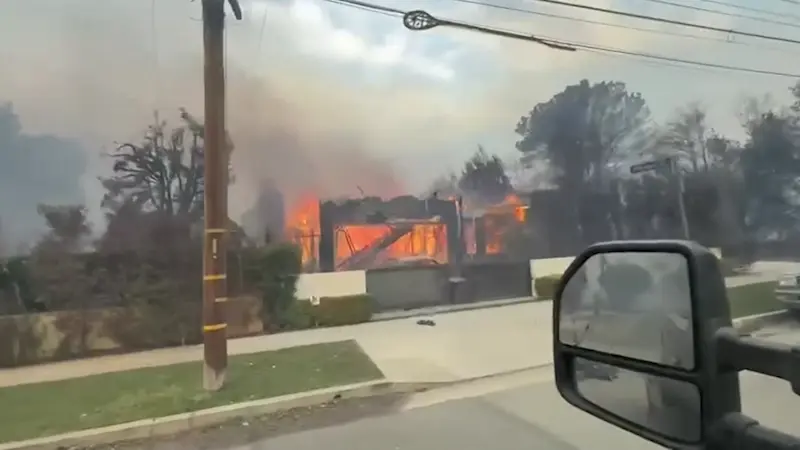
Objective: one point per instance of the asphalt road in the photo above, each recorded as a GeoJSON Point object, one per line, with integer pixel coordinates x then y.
{"type": "Point", "coordinates": [527, 417]}
{"type": "Point", "coordinates": [524, 413]}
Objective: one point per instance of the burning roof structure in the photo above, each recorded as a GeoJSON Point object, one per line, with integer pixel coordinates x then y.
{"type": "Point", "coordinates": [372, 232]}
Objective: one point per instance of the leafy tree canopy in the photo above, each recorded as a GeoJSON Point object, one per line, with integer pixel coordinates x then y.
{"type": "Point", "coordinates": [584, 129]}
{"type": "Point", "coordinates": [484, 175]}
{"type": "Point", "coordinates": [770, 165]}
{"type": "Point", "coordinates": [163, 173]}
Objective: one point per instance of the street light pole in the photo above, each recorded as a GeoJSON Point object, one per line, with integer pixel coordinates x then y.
{"type": "Point", "coordinates": [215, 195]}
{"type": "Point", "coordinates": [671, 163]}
{"type": "Point", "coordinates": [676, 171]}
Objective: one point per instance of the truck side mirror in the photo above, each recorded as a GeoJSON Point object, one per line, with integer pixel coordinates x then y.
{"type": "Point", "coordinates": [634, 326]}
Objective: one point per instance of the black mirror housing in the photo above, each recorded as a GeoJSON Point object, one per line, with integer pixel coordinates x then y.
{"type": "Point", "coordinates": [719, 391]}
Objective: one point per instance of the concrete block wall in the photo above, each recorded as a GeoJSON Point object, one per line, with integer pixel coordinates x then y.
{"type": "Point", "coordinates": [354, 282]}
{"type": "Point", "coordinates": [550, 266]}
{"type": "Point", "coordinates": [331, 284]}
{"type": "Point", "coordinates": [52, 336]}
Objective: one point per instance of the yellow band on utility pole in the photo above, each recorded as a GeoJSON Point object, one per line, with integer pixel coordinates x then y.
{"type": "Point", "coordinates": [214, 277]}
{"type": "Point", "coordinates": [216, 230]}
{"type": "Point", "coordinates": [215, 327]}
{"type": "Point", "coordinates": [220, 299]}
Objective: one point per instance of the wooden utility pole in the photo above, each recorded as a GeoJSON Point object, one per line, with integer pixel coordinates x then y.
{"type": "Point", "coordinates": [215, 196]}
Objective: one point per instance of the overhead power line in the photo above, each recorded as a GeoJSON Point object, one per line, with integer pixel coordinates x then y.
{"type": "Point", "coordinates": [724, 13]}
{"type": "Point", "coordinates": [435, 21]}
{"type": "Point", "coordinates": [156, 69]}
{"type": "Point", "coordinates": [385, 10]}
{"type": "Point", "coordinates": [620, 26]}
{"type": "Point", "coordinates": [751, 9]}
{"type": "Point", "coordinates": [669, 21]}
{"type": "Point", "coordinates": [419, 18]}
{"type": "Point", "coordinates": [669, 59]}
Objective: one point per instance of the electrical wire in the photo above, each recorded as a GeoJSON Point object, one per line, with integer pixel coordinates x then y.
{"type": "Point", "coordinates": [723, 13]}
{"type": "Point", "coordinates": [156, 69]}
{"type": "Point", "coordinates": [669, 21]}
{"type": "Point", "coordinates": [386, 11]}
{"type": "Point", "coordinates": [422, 16]}
{"type": "Point", "coordinates": [653, 63]}
{"type": "Point", "coordinates": [750, 9]}
{"type": "Point", "coordinates": [575, 44]}
{"type": "Point", "coordinates": [620, 26]}
{"type": "Point", "coordinates": [669, 59]}
{"type": "Point", "coordinates": [261, 32]}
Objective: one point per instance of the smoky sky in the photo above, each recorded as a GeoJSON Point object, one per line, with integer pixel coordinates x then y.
{"type": "Point", "coordinates": [34, 169]}
{"type": "Point", "coordinates": [92, 73]}
{"type": "Point", "coordinates": [302, 116]}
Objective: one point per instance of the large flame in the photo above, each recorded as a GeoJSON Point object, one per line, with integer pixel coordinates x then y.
{"type": "Point", "coordinates": [302, 221]}
{"type": "Point", "coordinates": [426, 240]}
{"type": "Point", "coordinates": [500, 218]}
{"type": "Point", "coordinates": [303, 227]}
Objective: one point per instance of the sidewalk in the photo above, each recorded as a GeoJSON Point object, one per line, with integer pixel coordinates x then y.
{"type": "Point", "coordinates": [461, 345]}
{"type": "Point", "coordinates": [464, 344]}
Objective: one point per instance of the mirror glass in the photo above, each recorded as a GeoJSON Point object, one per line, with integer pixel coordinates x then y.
{"type": "Point", "coordinates": [668, 407]}
{"type": "Point", "coordinates": [636, 305]}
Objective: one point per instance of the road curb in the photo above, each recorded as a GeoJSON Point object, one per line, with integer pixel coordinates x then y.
{"type": "Point", "coordinates": [179, 423]}
{"type": "Point", "coordinates": [447, 309]}
{"type": "Point", "coordinates": [750, 324]}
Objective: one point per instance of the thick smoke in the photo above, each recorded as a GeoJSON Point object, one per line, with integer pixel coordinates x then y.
{"type": "Point", "coordinates": [95, 71]}
{"type": "Point", "coordinates": [310, 107]}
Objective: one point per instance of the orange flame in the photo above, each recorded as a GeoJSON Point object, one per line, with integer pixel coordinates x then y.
{"type": "Point", "coordinates": [303, 227]}
{"type": "Point", "coordinates": [500, 218]}
{"type": "Point", "coordinates": [428, 240]}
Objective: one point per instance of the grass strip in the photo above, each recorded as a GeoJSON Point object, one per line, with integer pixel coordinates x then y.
{"type": "Point", "coordinates": [43, 409]}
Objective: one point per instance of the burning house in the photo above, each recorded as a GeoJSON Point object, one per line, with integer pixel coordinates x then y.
{"type": "Point", "coordinates": [358, 234]}
{"type": "Point", "coordinates": [486, 226]}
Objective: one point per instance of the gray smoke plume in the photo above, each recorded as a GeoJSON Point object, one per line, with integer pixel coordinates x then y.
{"type": "Point", "coordinates": [317, 103]}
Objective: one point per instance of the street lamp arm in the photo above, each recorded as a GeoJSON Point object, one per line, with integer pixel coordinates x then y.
{"type": "Point", "coordinates": [237, 9]}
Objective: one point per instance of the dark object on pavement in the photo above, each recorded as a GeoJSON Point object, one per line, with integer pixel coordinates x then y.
{"type": "Point", "coordinates": [426, 322]}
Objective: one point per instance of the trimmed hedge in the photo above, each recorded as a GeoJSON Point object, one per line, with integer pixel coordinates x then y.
{"type": "Point", "coordinates": [546, 286]}
{"type": "Point", "coordinates": [330, 312]}
{"type": "Point", "coordinates": [272, 273]}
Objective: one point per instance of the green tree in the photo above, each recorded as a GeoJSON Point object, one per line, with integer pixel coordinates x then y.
{"type": "Point", "coordinates": [484, 175]}
{"type": "Point", "coordinates": [687, 136]}
{"type": "Point", "coordinates": [68, 225]}
{"type": "Point", "coordinates": [58, 275]}
{"type": "Point", "coordinates": [583, 130]}
{"type": "Point", "coordinates": [770, 167]}
{"type": "Point", "coordinates": [162, 173]}
{"type": "Point", "coordinates": [444, 186]}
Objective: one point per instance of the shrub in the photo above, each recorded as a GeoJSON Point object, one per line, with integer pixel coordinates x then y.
{"type": "Point", "coordinates": [273, 273]}
{"type": "Point", "coordinates": [546, 286]}
{"type": "Point", "coordinates": [162, 299]}
{"type": "Point", "coordinates": [330, 312]}
{"type": "Point", "coordinates": [15, 288]}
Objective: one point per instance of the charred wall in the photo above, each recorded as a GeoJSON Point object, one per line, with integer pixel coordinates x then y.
{"type": "Point", "coordinates": [373, 210]}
